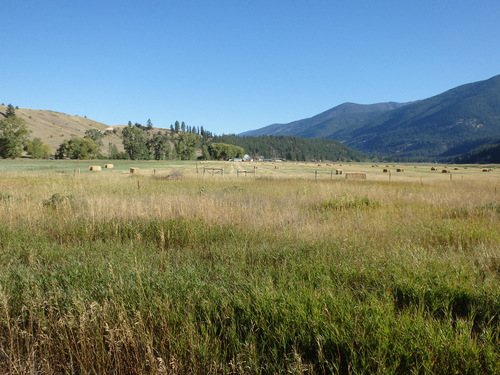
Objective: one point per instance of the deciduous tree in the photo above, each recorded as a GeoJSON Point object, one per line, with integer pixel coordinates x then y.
{"type": "Point", "coordinates": [95, 134]}
{"type": "Point", "coordinates": [77, 148]}
{"type": "Point", "coordinates": [159, 146]}
{"type": "Point", "coordinates": [13, 135]}
{"type": "Point", "coordinates": [38, 149]}
{"type": "Point", "coordinates": [135, 142]}
{"type": "Point", "coordinates": [186, 145]}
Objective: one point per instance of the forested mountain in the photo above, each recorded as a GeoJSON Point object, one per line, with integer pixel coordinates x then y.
{"type": "Point", "coordinates": [481, 155]}
{"type": "Point", "coordinates": [326, 123]}
{"type": "Point", "coordinates": [292, 148]}
{"type": "Point", "coordinates": [442, 127]}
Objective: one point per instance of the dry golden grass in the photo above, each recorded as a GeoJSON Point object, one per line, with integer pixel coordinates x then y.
{"type": "Point", "coordinates": [290, 270]}
{"type": "Point", "coordinates": [55, 127]}
{"type": "Point", "coordinates": [278, 200]}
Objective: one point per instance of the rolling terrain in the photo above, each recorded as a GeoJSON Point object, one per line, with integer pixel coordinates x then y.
{"type": "Point", "coordinates": [54, 127]}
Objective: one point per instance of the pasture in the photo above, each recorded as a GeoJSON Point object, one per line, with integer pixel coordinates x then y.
{"type": "Point", "coordinates": [179, 269]}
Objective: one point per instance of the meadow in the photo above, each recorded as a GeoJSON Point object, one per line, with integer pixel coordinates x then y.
{"type": "Point", "coordinates": [180, 269]}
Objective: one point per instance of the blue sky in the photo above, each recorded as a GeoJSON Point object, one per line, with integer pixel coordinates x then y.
{"type": "Point", "coordinates": [233, 66]}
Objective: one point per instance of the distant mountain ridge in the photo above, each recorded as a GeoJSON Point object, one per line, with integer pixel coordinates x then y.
{"type": "Point", "coordinates": [443, 126]}
{"type": "Point", "coordinates": [321, 125]}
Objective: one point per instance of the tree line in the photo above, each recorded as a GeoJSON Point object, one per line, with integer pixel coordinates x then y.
{"type": "Point", "coordinates": [181, 142]}
{"type": "Point", "coordinates": [141, 142]}
{"type": "Point", "coordinates": [292, 148]}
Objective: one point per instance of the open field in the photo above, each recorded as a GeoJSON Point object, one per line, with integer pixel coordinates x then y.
{"type": "Point", "coordinates": [295, 269]}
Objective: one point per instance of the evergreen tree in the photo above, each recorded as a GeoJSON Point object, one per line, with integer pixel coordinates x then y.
{"type": "Point", "coordinates": [11, 112]}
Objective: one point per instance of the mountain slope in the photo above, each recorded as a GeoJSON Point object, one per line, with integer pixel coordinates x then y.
{"type": "Point", "coordinates": [468, 114]}
{"type": "Point", "coordinates": [442, 127]}
{"type": "Point", "coordinates": [326, 123]}
{"type": "Point", "coordinates": [483, 155]}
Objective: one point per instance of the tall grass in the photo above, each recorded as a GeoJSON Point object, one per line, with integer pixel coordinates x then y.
{"type": "Point", "coordinates": [113, 273]}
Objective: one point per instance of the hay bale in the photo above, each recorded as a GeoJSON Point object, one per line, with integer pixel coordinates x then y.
{"type": "Point", "coordinates": [486, 170]}
{"type": "Point", "coordinates": [339, 171]}
{"type": "Point", "coordinates": [400, 170]}
{"type": "Point", "coordinates": [109, 166]}
{"type": "Point", "coordinates": [134, 170]}
{"type": "Point", "coordinates": [386, 170]}
{"type": "Point", "coordinates": [434, 169]}
{"type": "Point", "coordinates": [95, 168]}
{"type": "Point", "coordinates": [445, 171]}
{"type": "Point", "coordinates": [355, 176]}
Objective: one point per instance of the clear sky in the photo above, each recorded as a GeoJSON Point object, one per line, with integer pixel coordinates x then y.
{"type": "Point", "coordinates": [238, 65]}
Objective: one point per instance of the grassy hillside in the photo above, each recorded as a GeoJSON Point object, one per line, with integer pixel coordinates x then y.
{"type": "Point", "coordinates": [54, 127]}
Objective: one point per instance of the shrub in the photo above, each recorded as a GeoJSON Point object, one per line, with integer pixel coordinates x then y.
{"type": "Point", "coordinates": [346, 202]}
{"type": "Point", "coordinates": [58, 201]}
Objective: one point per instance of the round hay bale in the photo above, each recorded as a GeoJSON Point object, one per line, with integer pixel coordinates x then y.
{"type": "Point", "coordinates": [355, 176]}
{"type": "Point", "coordinates": [109, 166]}
{"type": "Point", "coordinates": [95, 168]}
{"type": "Point", "coordinates": [134, 170]}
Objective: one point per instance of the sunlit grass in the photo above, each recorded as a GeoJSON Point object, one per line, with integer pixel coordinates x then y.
{"type": "Point", "coordinates": [114, 272]}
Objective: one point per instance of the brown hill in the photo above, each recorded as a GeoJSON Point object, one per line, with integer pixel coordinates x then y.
{"type": "Point", "coordinates": [55, 127]}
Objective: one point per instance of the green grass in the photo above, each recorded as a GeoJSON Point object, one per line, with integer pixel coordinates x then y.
{"type": "Point", "coordinates": [221, 275]}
